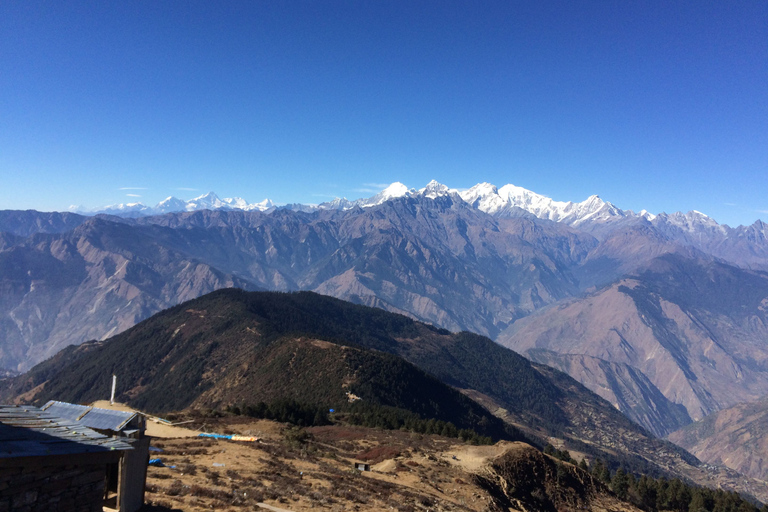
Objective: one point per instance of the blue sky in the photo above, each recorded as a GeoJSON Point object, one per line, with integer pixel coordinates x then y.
{"type": "Point", "coordinates": [656, 105]}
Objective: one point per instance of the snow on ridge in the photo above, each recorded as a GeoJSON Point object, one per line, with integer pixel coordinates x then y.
{"type": "Point", "coordinates": [498, 201]}
{"type": "Point", "coordinates": [209, 201]}
{"type": "Point", "coordinates": [393, 191]}
{"type": "Point", "coordinates": [693, 221]}
{"type": "Point", "coordinates": [504, 201]}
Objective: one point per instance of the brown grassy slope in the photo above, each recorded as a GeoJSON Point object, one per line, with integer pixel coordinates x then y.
{"type": "Point", "coordinates": [410, 473]}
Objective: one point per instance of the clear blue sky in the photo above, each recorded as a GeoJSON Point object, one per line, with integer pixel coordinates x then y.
{"type": "Point", "coordinates": [656, 105]}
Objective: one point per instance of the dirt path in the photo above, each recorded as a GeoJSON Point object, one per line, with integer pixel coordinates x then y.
{"type": "Point", "coordinates": [473, 458]}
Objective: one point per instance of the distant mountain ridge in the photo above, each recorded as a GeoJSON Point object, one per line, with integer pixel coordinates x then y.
{"type": "Point", "coordinates": [436, 256]}
{"type": "Point", "coordinates": [209, 201]}
{"type": "Point", "coordinates": [744, 245]}
{"type": "Point", "coordinates": [497, 201]}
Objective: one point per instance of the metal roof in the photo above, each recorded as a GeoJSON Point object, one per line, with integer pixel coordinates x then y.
{"type": "Point", "coordinates": [27, 431]}
{"type": "Point", "coordinates": [93, 417]}
{"type": "Point", "coordinates": [72, 412]}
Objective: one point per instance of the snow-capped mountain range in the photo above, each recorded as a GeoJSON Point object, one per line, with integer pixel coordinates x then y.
{"type": "Point", "coordinates": [209, 201]}
{"type": "Point", "coordinates": [507, 201]}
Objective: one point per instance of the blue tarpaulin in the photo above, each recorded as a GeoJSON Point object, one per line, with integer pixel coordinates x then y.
{"type": "Point", "coordinates": [215, 436]}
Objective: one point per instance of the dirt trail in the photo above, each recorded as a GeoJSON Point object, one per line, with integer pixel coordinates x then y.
{"type": "Point", "coordinates": [474, 458]}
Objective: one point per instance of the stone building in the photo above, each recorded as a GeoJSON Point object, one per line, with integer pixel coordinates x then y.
{"type": "Point", "coordinates": [126, 478]}
{"type": "Point", "coordinates": [51, 464]}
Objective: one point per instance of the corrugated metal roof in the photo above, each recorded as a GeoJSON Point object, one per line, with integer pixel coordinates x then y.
{"type": "Point", "coordinates": [72, 412]}
{"type": "Point", "coordinates": [104, 419]}
{"type": "Point", "coordinates": [27, 431]}
{"type": "Point", "coordinates": [93, 417]}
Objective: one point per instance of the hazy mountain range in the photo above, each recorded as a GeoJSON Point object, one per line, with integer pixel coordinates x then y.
{"type": "Point", "coordinates": [483, 196]}
{"type": "Point", "coordinates": [665, 316]}
{"type": "Point", "coordinates": [744, 245]}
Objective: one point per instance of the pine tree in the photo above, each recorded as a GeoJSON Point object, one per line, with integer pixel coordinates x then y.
{"type": "Point", "coordinates": [620, 484]}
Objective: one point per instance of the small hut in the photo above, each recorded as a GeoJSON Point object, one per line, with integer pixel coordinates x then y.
{"type": "Point", "coordinates": [53, 464]}
{"type": "Point", "coordinates": [126, 478]}
{"type": "Point", "coordinates": [362, 466]}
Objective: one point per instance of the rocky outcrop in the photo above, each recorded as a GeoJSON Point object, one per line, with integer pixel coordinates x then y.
{"type": "Point", "coordinates": [523, 478]}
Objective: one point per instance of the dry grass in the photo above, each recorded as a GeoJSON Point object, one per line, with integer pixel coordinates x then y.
{"type": "Point", "coordinates": [301, 470]}
{"type": "Point", "coordinates": [312, 470]}
{"type": "Point", "coordinates": [378, 454]}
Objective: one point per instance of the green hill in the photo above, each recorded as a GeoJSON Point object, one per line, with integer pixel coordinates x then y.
{"type": "Point", "coordinates": [224, 355]}
{"type": "Point", "coordinates": [232, 347]}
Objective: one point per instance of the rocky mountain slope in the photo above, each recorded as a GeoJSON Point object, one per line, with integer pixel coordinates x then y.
{"type": "Point", "coordinates": [219, 351]}
{"type": "Point", "coordinates": [89, 283]}
{"type": "Point", "coordinates": [26, 223]}
{"type": "Point", "coordinates": [736, 437]}
{"type": "Point", "coordinates": [420, 256]}
{"type": "Point", "coordinates": [649, 335]}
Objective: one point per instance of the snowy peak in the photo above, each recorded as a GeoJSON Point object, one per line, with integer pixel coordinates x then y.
{"type": "Point", "coordinates": [237, 203]}
{"type": "Point", "coordinates": [393, 191]}
{"type": "Point", "coordinates": [692, 222]}
{"type": "Point", "coordinates": [170, 204]}
{"type": "Point", "coordinates": [434, 190]}
{"type": "Point", "coordinates": [508, 201]}
{"type": "Point", "coordinates": [262, 206]}
{"type": "Point", "coordinates": [479, 192]}
{"type": "Point", "coordinates": [396, 189]}
{"type": "Point", "coordinates": [125, 210]}
{"type": "Point", "coordinates": [339, 203]}
{"type": "Point", "coordinates": [209, 201]}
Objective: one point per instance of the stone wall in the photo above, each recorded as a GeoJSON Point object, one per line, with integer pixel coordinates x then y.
{"type": "Point", "coordinates": [65, 488]}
